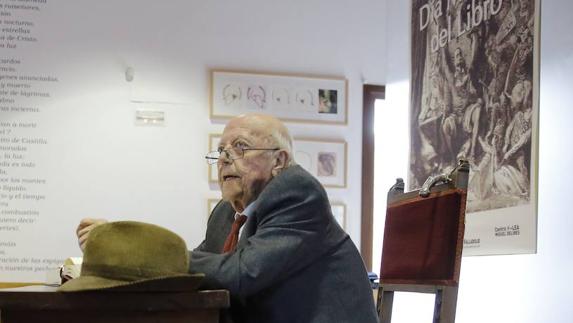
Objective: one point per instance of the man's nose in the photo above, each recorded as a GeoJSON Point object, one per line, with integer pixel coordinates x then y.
{"type": "Point", "coordinates": [225, 158]}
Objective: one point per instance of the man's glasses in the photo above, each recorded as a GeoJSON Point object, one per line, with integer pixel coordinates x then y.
{"type": "Point", "coordinates": [232, 153]}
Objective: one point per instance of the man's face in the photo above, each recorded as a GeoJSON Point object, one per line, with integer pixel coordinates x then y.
{"type": "Point", "coordinates": [242, 180]}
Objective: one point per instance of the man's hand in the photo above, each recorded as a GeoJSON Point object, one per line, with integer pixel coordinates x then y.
{"type": "Point", "coordinates": [83, 231]}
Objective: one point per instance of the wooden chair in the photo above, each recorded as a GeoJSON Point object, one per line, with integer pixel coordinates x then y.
{"type": "Point", "coordinates": [423, 240]}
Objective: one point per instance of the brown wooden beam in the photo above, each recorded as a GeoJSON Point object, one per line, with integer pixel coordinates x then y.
{"type": "Point", "coordinates": [370, 94]}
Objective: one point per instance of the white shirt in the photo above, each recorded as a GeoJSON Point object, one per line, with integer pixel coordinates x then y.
{"type": "Point", "coordinates": [248, 211]}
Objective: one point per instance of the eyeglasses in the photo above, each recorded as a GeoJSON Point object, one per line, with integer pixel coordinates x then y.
{"type": "Point", "coordinates": [232, 153]}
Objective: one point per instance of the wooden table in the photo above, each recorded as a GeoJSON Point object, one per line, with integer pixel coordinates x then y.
{"type": "Point", "coordinates": [45, 305]}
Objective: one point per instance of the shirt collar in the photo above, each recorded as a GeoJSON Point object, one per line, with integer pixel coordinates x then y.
{"type": "Point", "coordinates": [249, 210]}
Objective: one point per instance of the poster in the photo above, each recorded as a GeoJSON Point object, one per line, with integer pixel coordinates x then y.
{"type": "Point", "coordinates": [474, 96]}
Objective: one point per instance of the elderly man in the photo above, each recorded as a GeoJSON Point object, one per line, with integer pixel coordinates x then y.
{"type": "Point", "coordinates": [272, 241]}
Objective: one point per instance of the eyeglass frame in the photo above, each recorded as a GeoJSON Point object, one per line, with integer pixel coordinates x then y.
{"type": "Point", "coordinates": [213, 160]}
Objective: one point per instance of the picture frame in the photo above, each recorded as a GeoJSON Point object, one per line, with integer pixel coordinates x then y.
{"type": "Point", "coordinates": [339, 213]}
{"type": "Point", "coordinates": [289, 97]}
{"type": "Point", "coordinates": [213, 143]}
{"type": "Point", "coordinates": [324, 159]}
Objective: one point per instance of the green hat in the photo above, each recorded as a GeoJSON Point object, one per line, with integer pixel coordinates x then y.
{"type": "Point", "coordinates": [134, 256]}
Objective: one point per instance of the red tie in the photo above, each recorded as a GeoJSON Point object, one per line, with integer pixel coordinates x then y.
{"type": "Point", "coordinates": [233, 237]}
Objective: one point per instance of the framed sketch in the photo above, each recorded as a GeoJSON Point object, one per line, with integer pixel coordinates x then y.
{"type": "Point", "coordinates": [213, 143]}
{"type": "Point", "coordinates": [295, 98]}
{"type": "Point", "coordinates": [325, 159]}
{"type": "Point", "coordinates": [339, 212]}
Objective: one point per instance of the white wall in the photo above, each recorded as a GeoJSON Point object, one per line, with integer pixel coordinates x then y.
{"type": "Point", "coordinates": [525, 288]}
{"type": "Point", "coordinates": [100, 165]}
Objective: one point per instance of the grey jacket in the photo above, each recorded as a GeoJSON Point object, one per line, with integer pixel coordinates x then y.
{"type": "Point", "coordinates": [293, 262]}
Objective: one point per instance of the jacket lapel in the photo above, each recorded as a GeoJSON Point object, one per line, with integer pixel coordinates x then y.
{"type": "Point", "coordinates": [250, 227]}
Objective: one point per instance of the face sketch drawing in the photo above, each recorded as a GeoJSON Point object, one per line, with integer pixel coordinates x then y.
{"type": "Point", "coordinates": [257, 95]}
{"type": "Point", "coordinates": [231, 93]}
{"type": "Point", "coordinates": [326, 164]}
{"type": "Point", "coordinates": [280, 96]}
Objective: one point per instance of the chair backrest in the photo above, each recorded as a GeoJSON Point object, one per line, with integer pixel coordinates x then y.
{"type": "Point", "coordinates": [423, 240]}
{"type": "Point", "coordinates": [423, 234]}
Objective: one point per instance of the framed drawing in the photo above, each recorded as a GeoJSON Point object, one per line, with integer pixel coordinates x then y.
{"type": "Point", "coordinates": [295, 98]}
{"type": "Point", "coordinates": [339, 212]}
{"type": "Point", "coordinates": [324, 159]}
{"type": "Point", "coordinates": [213, 143]}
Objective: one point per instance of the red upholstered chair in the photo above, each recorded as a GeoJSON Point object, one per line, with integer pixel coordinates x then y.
{"type": "Point", "coordinates": [423, 239]}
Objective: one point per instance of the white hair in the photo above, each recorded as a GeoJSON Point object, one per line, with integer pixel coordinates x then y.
{"type": "Point", "coordinates": [283, 140]}
{"type": "Point", "coordinates": [273, 130]}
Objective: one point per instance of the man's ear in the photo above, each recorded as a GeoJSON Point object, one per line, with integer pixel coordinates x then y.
{"type": "Point", "coordinates": [280, 161]}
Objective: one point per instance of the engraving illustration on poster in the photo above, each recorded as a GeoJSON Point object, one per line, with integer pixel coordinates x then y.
{"type": "Point", "coordinates": [474, 96]}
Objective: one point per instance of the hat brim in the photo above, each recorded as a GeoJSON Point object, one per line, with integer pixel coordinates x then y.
{"type": "Point", "coordinates": [178, 283]}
